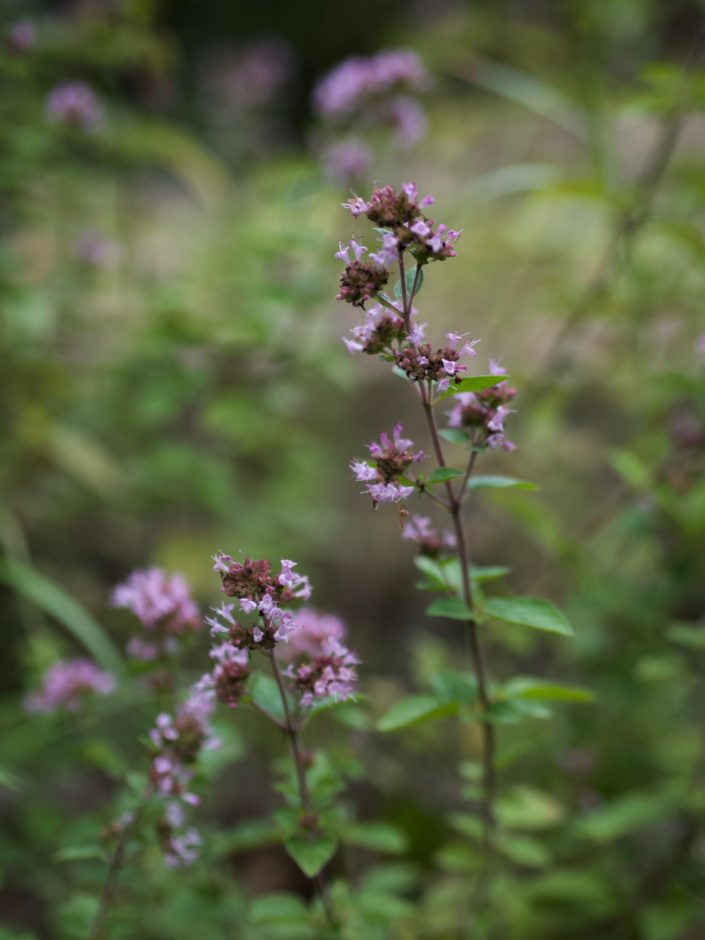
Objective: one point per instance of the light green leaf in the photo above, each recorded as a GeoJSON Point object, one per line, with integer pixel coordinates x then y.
{"type": "Point", "coordinates": [451, 607]}
{"type": "Point", "coordinates": [265, 693]}
{"type": "Point", "coordinates": [482, 573]}
{"type": "Point", "coordinates": [377, 836]}
{"type": "Point", "coordinates": [442, 474]}
{"type": "Point", "coordinates": [529, 612]}
{"type": "Point", "coordinates": [523, 807]}
{"type": "Point", "coordinates": [455, 435]}
{"type": "Point", "coordinates": [80, 853]}
{"type": "Point", "coordinates": [278, 909]}
{"type": "Point", "coordinates": [528, 688]}
{"type": "Point", "coordinates": [455, 687]}
{"type": "Point", "coordinates": [311, 853]}
{"type": "Point", "coordinates": [496, 482]}
{"type": "Point", "coordinates": [473, 383]}
{"type": "Point", "coordinates": [409, 280]}
{"type": "Point", "coordinates": [412, 710]}
{"type": "Point", "coordinates": [54, 601]}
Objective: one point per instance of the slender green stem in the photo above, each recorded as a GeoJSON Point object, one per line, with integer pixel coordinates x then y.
{"type": "Point", "coordinates": [489, 776]}
{"type": "Point", "coordinates": [115, 866]}
{"type": "Point", "coordinates": [291, 730]}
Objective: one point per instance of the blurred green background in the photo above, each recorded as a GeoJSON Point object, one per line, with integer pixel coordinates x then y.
{"type": "Point", "coordinates": [174, 384]}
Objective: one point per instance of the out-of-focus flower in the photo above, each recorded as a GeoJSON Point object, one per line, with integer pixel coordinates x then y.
{"type": "Point", "coordinates": [76, 105]}
{"type": "Point", "coordinates": [430, 541]}
{"type": "Point", "coordinates": [95, 250]}
{"type": "Point", "coordinates": [329, 674]}
{"type": "Point", "coordinates": [252, 75]}
{"type": "Point", "coordinates": [177, 742]}
{"type": "Point", "coordinates": [483, 413]}
{"type": "Point", "coordinates": [392, 457]}
{"type": "Point", "coordinates": [358, 82]}
{"type": "Point", "coordinates": [163, 603]}
{"type": "Point", "coordinates": [67, 684]}
{"type": "Point", "coordinates": [346, 160]}
{"type": "Point", "coordinates": [313, 628]}
{"type": "Point", "coordinates": [229, 676]}
{"type": "Point", "coordinates": [21, 37]}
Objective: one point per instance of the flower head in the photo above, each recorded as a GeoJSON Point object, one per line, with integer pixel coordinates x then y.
{"type": "Point", "coordinates": [392, 456]}
{"type": "Point", "coordinates": [67, 684]}
{"type": "Point", "coordinates": [75, 105]}
{"type": "Point", "coordinates": [483, 413]}
{"type": "Point", "coordinates": [330, 673]}
{"type": "Point", "coordinates": [430, 541]}
{"type": "Point", "coordinates": [163, 603]}
{"type": "Point", "coordinates": [312, 630]}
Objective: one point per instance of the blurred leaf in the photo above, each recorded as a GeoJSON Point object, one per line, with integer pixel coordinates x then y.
{"type": "Point", "coordinates": [80, 853]}
{"type": "Point", "coordinates": [249, 834]}
{"type": "Point", "coordinates": [442, 474]}
{"type": "Point", "coordinates": [526, 687]}
{"type": "Point", "coordinates": [455, 687]}
{"type": "Point", "coordinates": [53, 600]}
{"type": "Point", "coordinates": [481, 573]}
{"type": "Point", "coordinates": [500, 483]}
{"type": "Point", "coordinates": [278, 909]}
{"type": "Point", "coordinates": [686, 634]}
{"type": "Point", "coordinates": [529, 612]}
{"type": "Point", "coordinates": [409, 280]}
{"type": "Point", "coordinates": [311, 853]}
{"type": "Point", "coordinates": [524, 807]}
{"type": "Point", "coordinates": [86, 460]}
{"type": "Point", "coordinates": [629, 813]}
{"type": "Point", "coordinates": [412, 711]}
{"type": "Point", "coordinates": [377, 836]}
{"type": "Point", "coordinates": [451, 607]}
{"type": "Point", "coordinates": [455, 435]}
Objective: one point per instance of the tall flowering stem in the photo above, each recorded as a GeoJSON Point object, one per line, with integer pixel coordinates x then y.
{"type": "Point", "coordinates": [391, 330]}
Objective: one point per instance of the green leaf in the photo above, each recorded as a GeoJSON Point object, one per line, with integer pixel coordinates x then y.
{"type": "Point", "coordinates": [473, 383]}
{"type": "Point", "coordinates": [629, 813]}
{"type": "Point", "coordinates": [80, 853]}
{"type": "Point", "coordinates": [264, 692]}
{"type": "Point", "coordinates": [496, 482]}
{"type": "Point", "coordinates": [412, 710]}
{"type": "Point", "coordinates": [441, 474]}
{"type": "Point", "coordinates": [523, 807]}
{"type": "Point", "coordinates": [377, 836]}
{"type": "Point", "coordinates": [482, 573]}
{"type": "Point", "coordinates": [528, 688]}
{"type": "Point", "coordinates": [529, 612]}
{"type": "Point", "coordinates": [278, 909]}
{"type": "Point", "coordinates": [311, 853]}
{"type": "Point", "coordinates": [455, 687]}
{"type": "Point", "coordinates": [433, 571]}
{"type": "Point", "coordinates": [451, 607]}
{"type": "Point", "coordinates": [248, 835]}
{"type": "Point", "coordinates": [687, 634]}
{"type": "Point", "coordinates": [455, 435]}
{"type": "Point", "coordinates": [409, 279]}
{"type": "Point", "coordinates": [54, 601]}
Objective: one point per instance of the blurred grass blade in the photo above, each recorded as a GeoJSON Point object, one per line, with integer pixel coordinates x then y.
{"type": "Point", "coordinates": [529, 92]}
{"type": "Point", "coordinates": [54, 601]}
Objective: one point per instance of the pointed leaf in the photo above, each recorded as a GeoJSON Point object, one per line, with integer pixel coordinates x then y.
{"type": "Point", "coordinates": [377, 836]}
{"type": "Point", "coordinates": [529, 612]}
{"type": "Point", "coordinates": [473, 383]}
{"type": "Point", "coordinates": [451, 607]}
{"type": "Point", "coordinates": [528, 688]}
{"type": "Point", "coordinates": [442, 474]}
{"type": "Point", "coordinates": [311, 853]}
{"type": "Point", "coordinates": [496, 482]}
{"type": "Point", "coordinates": [412, 711]}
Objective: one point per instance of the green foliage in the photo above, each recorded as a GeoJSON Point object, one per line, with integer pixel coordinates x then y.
{"type": "Point", "coordinates": [529, 612]}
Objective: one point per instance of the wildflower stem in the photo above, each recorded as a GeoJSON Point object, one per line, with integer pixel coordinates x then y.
{"type": "Point", "coordinates": [292, 732]}
{"type": "Point", "coordinates": [115, 866]}
{"type": "Point", "coordinates": [489, 777]}
{"type": "Point", "coordinates": [406, 306]}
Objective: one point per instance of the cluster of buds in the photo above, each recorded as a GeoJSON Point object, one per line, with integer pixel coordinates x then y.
{"type": "Point", "coordinates": [177, 743]}
{"type": "Point", "coordinates": [483, 413]}
{"type": "Point", "coordinates": [384, 477]}
{"type": "Point", "coordinates": [75, 105]}
{"type": "Point", "coordinates": [329, 674]}
{"type": "Point", "coordinates": [361, 280]}
{"type": "Point", "coordinates": [163, 604]}
{"type": "Point", "coordinates": [230, 673]}
{"type": "Point", "coordinates": [259, 592]}
{"type": "Point", "coordinates": [429, 540]}
{"type": "Point", "coordinates": [421, 363]}
{"type": "Point", "coordinates": [67, 684]}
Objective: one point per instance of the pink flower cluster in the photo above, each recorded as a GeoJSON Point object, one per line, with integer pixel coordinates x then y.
{"type": "Point", "coordinates": [382, 328]}
{"type": "Point", "coordinates": [482, 414]}
{"type": "Point", "coordinates": [75, 105]}
{"type": "Point", "coordinates": [391, 459]}
{"type": "Point", "coordinates": [421, 363]}
{"type": "Point", "coordinates": [329, 674]}
{"type": "Point", "coordinates": [67, 684]}
{"type": "Point", "coordinates": [312, 629]}
{"type": "Point", "coordinates": [177, 742]}
{"type": "Point", "coordinates": [163, 603]}
{"type": "Point", "coordinates": [259, 592]}
{"type": "Point", "coordinates": [430, 541]}
{"type": "Point", "coordinates": [354, 82]}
